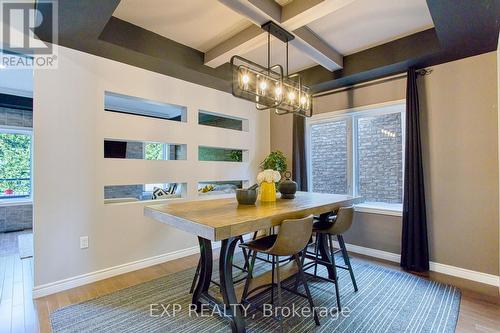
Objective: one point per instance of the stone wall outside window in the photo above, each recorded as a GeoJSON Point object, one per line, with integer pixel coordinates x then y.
{"type": "Point", "coordinates": [379, 154]}
{"type": "Point", "coordinates": [329, 157]}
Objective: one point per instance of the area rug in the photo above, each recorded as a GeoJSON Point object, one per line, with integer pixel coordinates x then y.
{"type": "Point", "coordinates": [25, 245]}
{"type": "Point", "coordinates": [388, 301]}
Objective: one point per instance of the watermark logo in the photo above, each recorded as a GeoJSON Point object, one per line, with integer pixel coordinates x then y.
{"type": "Point", "coordinates": [21, 47]}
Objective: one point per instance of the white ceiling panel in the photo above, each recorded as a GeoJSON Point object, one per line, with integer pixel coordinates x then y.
{"type": "Point", "coordinates": [200, 24]}
{"type": "Point", "coordinates": [297, 59]}
{"type": "Point", "coordinates": [367, 23]}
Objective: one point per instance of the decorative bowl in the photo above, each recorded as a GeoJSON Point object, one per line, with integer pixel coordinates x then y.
{"type": "Point", "coordinates": [246, 196]}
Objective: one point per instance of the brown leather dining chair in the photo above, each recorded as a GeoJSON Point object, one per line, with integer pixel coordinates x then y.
{"type": "Point", "coordinates": [292, 237]}
{"type": "Point", "coordinates": [338, 225]}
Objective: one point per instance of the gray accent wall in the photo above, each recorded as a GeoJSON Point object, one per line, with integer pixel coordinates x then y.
{"type": "Point", "coordinates": [16, 217]}
{"type": "Point", "coordinates": [460, 146]}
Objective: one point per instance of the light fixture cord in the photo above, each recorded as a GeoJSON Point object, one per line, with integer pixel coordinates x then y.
{"type": "Point", "coordinates": [286, 58]}
{"type": "Point", "coordinates": [268, 51]}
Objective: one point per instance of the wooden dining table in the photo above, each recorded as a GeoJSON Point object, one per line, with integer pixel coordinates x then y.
{"type": "Point", "coordinates": [224, 220]}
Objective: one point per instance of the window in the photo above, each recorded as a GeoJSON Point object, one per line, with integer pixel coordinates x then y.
{"type": "Point", "coordinates": [15, 163]}
{"type": "Point", "coordinates": [359, 153]}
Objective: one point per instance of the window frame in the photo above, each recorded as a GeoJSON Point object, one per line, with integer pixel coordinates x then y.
{"type": "Point", "coordinates": [351, 116]}
{"type": "Point", "coordinates": [6, 129]}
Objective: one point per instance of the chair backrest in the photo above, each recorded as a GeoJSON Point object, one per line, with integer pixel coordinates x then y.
{"type": "Point", "coordinates": [293, 236]}
{"type": "Point", "coordinates": [343, 221]}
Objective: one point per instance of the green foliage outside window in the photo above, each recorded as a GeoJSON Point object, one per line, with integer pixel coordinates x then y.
{"type": "Point", "coordinates": [15, 163]}
{"type": "Point", "coordinates": [154, 151]}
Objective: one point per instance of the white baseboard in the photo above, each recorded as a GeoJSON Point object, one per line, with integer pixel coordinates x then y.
{"type": "Point", "coordinates": [80, 280]}
{"type": "Point", "coordinates": [463, 273]}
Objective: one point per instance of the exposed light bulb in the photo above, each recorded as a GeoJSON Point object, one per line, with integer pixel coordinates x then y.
{"type": "Point", "coordinates": [291, 96]}
{"type": "Point", "coordinates": [263, 85]}
{"type": "Point", "coordinates": [278, 91]}
{"type": "Point", "coordinates": [303, 100]}
{"type": "Point", "coordinates": [245, 79]}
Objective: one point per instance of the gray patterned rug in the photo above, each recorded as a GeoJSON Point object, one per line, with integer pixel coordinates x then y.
{"type": "Point", "coordinates": [387, 301]}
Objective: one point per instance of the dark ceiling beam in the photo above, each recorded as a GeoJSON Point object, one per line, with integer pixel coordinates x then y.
{"type": "Point", "coordinates": [89, 26]}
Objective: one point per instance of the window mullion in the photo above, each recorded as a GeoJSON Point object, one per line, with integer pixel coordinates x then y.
{"type": "Point", "coordinates": [354, 156]}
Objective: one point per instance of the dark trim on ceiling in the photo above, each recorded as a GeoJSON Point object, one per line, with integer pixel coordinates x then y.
{"type": "Point", "coordinates": [16, 102]}
{"type": "Point", "coordinates": [89, 26]}
{"type": "Point", "coordinates": [463, 28]}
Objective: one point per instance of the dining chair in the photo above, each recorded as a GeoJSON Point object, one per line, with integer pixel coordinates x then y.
{"type": "Point", "coordinates": [243, 269]}
{"type": "Point", "coordinates": [340, 223]}
{"type": "Point", "coordinates": [292, 237]}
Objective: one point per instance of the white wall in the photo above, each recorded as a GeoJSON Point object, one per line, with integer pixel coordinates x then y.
{"type": "Point", "coordinates": [70, 171]}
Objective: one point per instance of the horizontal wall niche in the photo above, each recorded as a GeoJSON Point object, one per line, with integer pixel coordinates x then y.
{"type": "Point", "coordinates": [220, 187]}
{"type": "Point", "coordinates": [206, 153]}
{"type": "Point", "coordinates": [114, 102]}
{"type": "Point", "coordinates": [222, 121]}
{"type": "Point", "coordinates": [142, 192]}
{"type": "Point", "coordinates": [144, 150]}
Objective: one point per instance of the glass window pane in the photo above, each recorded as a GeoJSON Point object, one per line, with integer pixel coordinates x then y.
{"type": "Point", "coordinates": [15, 165]}
{"type": "Point", "coordinates": [380, 158]}
{"type": "Point", "coordinates": [329, 156]}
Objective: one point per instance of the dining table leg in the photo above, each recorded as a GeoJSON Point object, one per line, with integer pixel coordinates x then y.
{"type": "Point", "coordinates": [205, 272]}
{"type": "Point", "coordinates": [324, 251]}
{"type": "Point", "coordinates": [227, 287]}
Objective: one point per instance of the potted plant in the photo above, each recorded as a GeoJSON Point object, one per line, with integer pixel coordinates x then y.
{"type": "Point", "coordinates": [276, 160]}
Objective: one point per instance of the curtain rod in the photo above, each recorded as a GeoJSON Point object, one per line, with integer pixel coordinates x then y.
{"type": "Point", "coordinates": [422, 72]}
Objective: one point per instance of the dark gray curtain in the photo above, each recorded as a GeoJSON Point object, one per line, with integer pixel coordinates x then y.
{"type": "Point", "coordinates": [414, 245]}
{"type": "Point", "coordinates": [299, 171]}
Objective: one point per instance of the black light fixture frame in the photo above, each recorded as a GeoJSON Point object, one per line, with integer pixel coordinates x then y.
{"type": "Point", "coordinates": [277, 70]}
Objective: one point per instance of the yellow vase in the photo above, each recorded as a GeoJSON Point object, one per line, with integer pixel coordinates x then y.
{"type": "Point", "coordinates": [267, 192]}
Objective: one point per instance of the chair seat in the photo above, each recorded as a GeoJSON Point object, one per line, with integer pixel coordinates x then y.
{"type": "Point", "coordinates": [260, 244]}
{"type": "Point", "coordinates": [323, 227]}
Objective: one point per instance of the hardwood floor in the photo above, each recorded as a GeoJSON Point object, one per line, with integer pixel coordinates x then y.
{"type": "Point", "coordinates": [479, 312]}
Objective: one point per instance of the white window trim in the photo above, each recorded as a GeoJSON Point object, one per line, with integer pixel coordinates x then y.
{"type": "Point", "coordinates": [25, 131]}
{"type": "Point", "coordinates": [349, 114]}
{"type": "Point", "coordinates": [379, 208]}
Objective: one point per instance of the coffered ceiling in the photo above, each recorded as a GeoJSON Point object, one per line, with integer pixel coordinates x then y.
{"type": "Point", "coordinates": [344, 26]}
{"type": "Point", "coordinates": [200, 24]}
{"type": "Point", "coordinates": [337, 42]}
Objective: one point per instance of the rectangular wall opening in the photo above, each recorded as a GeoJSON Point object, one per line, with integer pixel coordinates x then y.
{"type": "Point", "coordinates": [220, 187]}
{"type": "Point", "coordinates": [143, 192]}
{"type": "Point", "coordinates": [222, 121]}
{"type": "Point", "coordinates": [222, 154]}
{"type": "Point", "coordinates": [114, 102]}
{"type": "Point", "coordinates": [144, 150]}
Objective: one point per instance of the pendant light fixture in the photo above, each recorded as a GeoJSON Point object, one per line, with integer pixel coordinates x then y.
{"type": "Point", "coordinates": [271, 88]}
